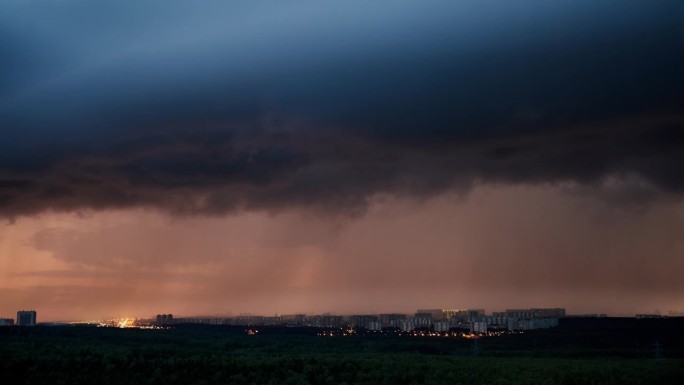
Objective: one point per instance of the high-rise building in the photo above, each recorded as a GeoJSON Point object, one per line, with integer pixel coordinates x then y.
{"type": "Point", "coordinates": [391, 319]}
{"type": "Point", "coordinates": [362, 320]}
{"type": "Point", "coordinates": [478, 327]}
{"type": "Point", "coordinates": [331, 321]}
{"type": "Point", "coordinates": [26, 318]}
{"type": "Point", "coordinates": [464, 314]}
{"type": "Point", "coordinates": [164, 319]}
{"type": "Point", "coordinates": [475, 314]}
{"type": "Point", "coordinates": [451, 313]}
{"type": "Point", "coordinates": [435, 314]}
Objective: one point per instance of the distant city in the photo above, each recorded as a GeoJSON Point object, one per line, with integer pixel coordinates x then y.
{"type": "Point", "coordinates": [471, 321]}
{"type": "Point", "coordinates": [435, 320]}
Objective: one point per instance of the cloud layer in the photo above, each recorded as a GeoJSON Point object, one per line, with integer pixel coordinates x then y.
{"type": "Point", "coordinates": [215, 108]}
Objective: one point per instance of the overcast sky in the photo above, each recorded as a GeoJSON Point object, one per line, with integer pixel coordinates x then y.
{"type": "Point", "coordinates": [340, 156]}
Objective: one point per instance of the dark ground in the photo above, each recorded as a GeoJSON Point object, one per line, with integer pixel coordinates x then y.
{"type": "Point", "coordinates": [579, 351]}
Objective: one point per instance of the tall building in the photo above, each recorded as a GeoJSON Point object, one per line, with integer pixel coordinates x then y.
{"type": "Point", "coordinates": [475, 314]}
{"type": "Point", "coordinates": [164, 319]}
{"type": "Point", "coordinates": [26, 318]}
{"type": "Point", "coordinates": [366, 321]}
{"type": "Point", "coordinates": [464, 314]}
{"type": "Point", "coordinates": [534, 318]}
{"type": "Point", "coordinates": [391, 319]}
{"type": "Point", "coordinates": [435, 314]}
{"type": "Point", "coordinates": [331, 321]}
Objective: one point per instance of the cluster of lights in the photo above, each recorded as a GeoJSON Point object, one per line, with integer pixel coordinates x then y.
{"type": "Point", "coordinates": [338, 332]}
{"type": "Point", "coordinates": [126, 323]}
{"type": "Point", "coordinates": [417, 333]}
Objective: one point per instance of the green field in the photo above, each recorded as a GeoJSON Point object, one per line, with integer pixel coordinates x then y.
{"type": "Point", "coordinates": [572, 354]}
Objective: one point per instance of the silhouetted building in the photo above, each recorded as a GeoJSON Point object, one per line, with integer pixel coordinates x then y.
{"type": "Point", "coordinates": [435, 314]}
{"type": "Point", "coordinates": [535, 313]}
{"type": "Point", "coordinates": [391, 319]}
{"type": "Point", "coordinates": [26, 318]}
{"type": "Point", "coordinates": [444, 325]}
{"type": "Point", "coordinates": [528, 319]}
{"type": "Point", "coordinates": [644, 316]}
{"type": "Point", "coordinates": [164, 319]}
{"type": "Point", "coordinates": [296, 319]}
{"type": "Point", "coordinates": [329, 321]}
{"type": "Point", "coordinates": [530, 324]}
{"type": "Point", "coordinates": [423, 321]}
{"type": "Point", "coordinates": [201, 320]}
{"type": "Point", "coordinates": [6, 322]}
{"type": "Point", "coordinates": [248, 319]}
{"type": "Point", "coordinates": [496, 321]}
{"type": "Point", "coordinates": [366, 321]}
{"type": "Point", "coordinates": [273, 320]}
{"type": "Point", "coordinates": [407, 324]}
{"type": "Point", "coordinates": [478, 327]}
{"type": "Point", "coordinates": [453, 313]}
{"type": "Point", "coordinates": [589, 315]}
{"type": "Point", "coordinates": [475, 314]}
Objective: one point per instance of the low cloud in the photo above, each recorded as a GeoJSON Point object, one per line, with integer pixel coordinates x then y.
{"type": "Point", "coordinates": [201, 172]}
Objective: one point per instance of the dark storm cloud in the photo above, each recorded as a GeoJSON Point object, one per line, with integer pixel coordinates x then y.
{"type": "Point", "coordinates": [211, 108]}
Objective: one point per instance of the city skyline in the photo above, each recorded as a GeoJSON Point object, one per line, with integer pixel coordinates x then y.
{"type": "Point", "coordinates": [29, 317]}
{"type": "Point", "coordinates": [445, 312]}
{"type": "Point", "coordinates": [261, 157]}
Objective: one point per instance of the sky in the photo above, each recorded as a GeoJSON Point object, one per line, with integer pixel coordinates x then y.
{"type": "Point", "coordinates": [221, 158]}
